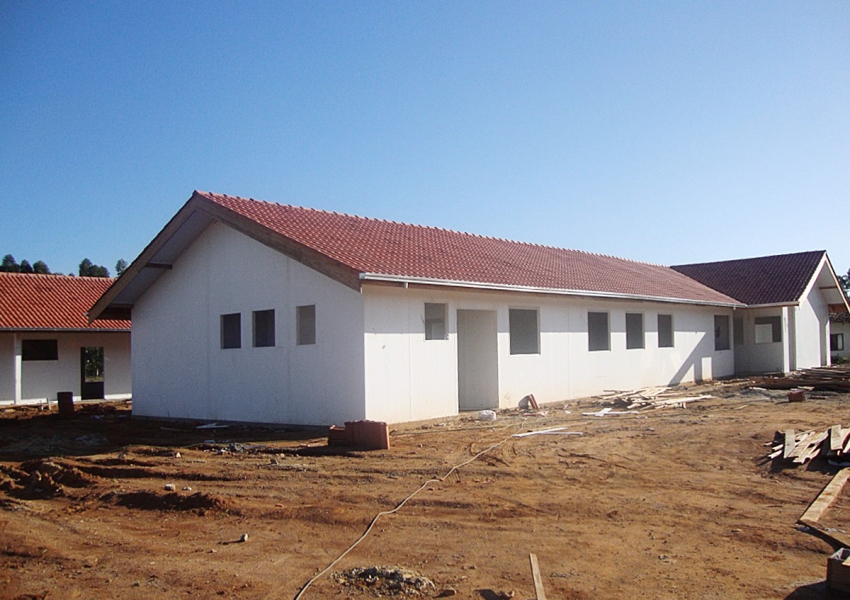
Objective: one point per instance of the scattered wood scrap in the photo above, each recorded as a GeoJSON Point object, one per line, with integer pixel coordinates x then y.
{"type": "Point", "coordinates": [803, 446]}
{"type": "Point", "coordinates": [651, 397]}
{"type": "Point", "coordinates": [815, 511]}
{"type": "Point", "coordinates": [833, 379]}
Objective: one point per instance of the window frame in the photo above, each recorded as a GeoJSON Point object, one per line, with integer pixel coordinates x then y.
{"type": "Point", "coordinates": [33, 350]}
{"type": "Point", "coordinates": [672, 331]}
{"type": "Point", "coordinates": [836, 339]}
{"type": "Point", "coordinates": [591, 347]}
{"type": "Point", "coordinates": [775, 324]}
{"type": "Point", "coordinates": [230, 339]}
{"type": "Point", "coordinates": [631, 343]}
{"type": "Point", "coordinates": [305, 325]}
{"type": "Point", "coordinates": [263, 338]}
{"type": "Point", "coordinates": [433, 323]}
{"type": "Point", "coordinates": [522, 342]}
{"type": "Point", "coordinates": [721, 333]}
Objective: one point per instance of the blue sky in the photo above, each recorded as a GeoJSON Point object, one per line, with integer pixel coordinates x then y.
{"type": "Point", "coordinates": [668, 132]}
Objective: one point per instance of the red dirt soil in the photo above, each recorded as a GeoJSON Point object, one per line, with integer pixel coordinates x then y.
{"type": "Point", "coordinates": [670, 503]}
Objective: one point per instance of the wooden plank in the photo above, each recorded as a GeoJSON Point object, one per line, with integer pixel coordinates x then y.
{"type": "Point", "coordinates": [538, 580]}
{"type": "Point", "coordinates": [812, 448]}
{"type": "Point", "coordinates": [802, 443]}
{"type": "Point", "coordinates": [835, 437]}
{"type": "Point", "coordinates": [825, 498]}
{"type": "Point", "coordinates": [790, 443]}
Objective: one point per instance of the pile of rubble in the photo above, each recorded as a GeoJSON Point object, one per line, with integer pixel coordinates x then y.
{"type": "Point", "coordinates": [389, 581]}
{"type": "Point", "coordinates": [651, 397]}
{"type": "Point", "coordinates": [834, 379]}
{"type": "Point", "coordinates": [801, 447]}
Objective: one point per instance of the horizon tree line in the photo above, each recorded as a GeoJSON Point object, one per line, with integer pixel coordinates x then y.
{"type": "Point", "coordinates": [86, 269]}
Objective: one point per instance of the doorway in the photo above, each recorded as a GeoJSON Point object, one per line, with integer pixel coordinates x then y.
{"type": "Point", "coordinates": [477, 360]}
{"type": "Point", "coordinates": [91, 373]}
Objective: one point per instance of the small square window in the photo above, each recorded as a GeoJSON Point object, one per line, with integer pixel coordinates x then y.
{"type": "Point", "coordinates": [597, 332]}
{"type": "Point", "coordinates": [39, 349]}
{"type": "Point", "coordinates": [263, 328]}
{"type": "Point", "coordinates": [435, 321]}
{"type": "Point", "coordinates": [523, 331]}
{"type": "Point", "coordinates": [768, 330]}
{"type": "Point", "coordinates": [721, 332]}
{"type": "Point", "coordinates": [634, 331]}
{"type": "Point", "coordinates": [665, 331]}
{"type": "Point", "coordinates": [305, 325]}
{"type": "Point", "coordinates": [231, 331]}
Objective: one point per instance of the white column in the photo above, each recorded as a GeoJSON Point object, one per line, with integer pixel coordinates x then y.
{"type": "Point", "coordinates": [17, 344]}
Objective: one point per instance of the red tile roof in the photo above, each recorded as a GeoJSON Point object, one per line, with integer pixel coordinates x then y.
{"type": "Point", "coordinates": [779, 279]}
{"type": "Point", "coordinates": [51, 302]}
{"type": "Point", "coordinates": [386, 248]}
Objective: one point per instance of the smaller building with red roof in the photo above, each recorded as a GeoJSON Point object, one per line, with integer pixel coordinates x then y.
{"type": "Point", "coordinates": [48, 345]}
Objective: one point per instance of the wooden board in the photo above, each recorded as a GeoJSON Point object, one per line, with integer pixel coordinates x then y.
{"type": "Point", "coordinates": [790, 443]}
{"type": "Point", "coordinates": [825, 498]}
{"type": "Point", "coordinates": [835, 437]}
{"type": "Point", "coordinates": [538, 580]}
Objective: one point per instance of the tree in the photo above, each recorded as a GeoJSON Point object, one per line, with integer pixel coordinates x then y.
{"type": "Point", "coordinates": [89, 269]}
{"type": "Point", "coordinates": [26, 267]}
{"type": "Point", "coordinates": [10, 265]}
{"type": "Point", "coordinates": [120, 266]}
{"type": "Point", "coordinates": [845, 283]}
{"type": "Point", "coordinates": [40, 268]}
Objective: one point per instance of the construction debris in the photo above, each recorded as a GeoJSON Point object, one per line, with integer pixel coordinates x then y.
{"type": "Point", "coordinates": [651, 397]}
{"type": "Point", "coordinates": [801, 447]}
{"type": "Point", "coordinates": [835, 378]}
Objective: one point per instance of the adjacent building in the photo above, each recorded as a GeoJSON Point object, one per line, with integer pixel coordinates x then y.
{"type": "Point", "coordinates": [48, 345]}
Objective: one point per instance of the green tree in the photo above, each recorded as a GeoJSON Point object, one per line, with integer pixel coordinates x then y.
{"type": "Point", "coordinates": [10, 265]}
{"type": "Point", "coordinates": [89, 269]}
{"type": "Point", "coordinates": [845, 283]}
{"type": "Point", "coordinates": [40, 267]}
{"type": "Point", "coordinates": [120, 267]}
{"type": "Point", "coordinates": [26, 267]}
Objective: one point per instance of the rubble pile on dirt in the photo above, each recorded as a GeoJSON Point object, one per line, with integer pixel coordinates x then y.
{"type": "Point", "coordinates": [803, 446]}
{"type": "Point", "coordinates": [835, 378]}
{"type": "Point", "coordinates": [381, 580]}
{"type": "Point", "coordinates": [199, 502]}
{"type": "Point", "coordinates": [651, 397]}
{"type": "Point", "coordinates": [41, 478]}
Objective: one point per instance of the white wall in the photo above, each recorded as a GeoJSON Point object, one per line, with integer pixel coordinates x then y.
{"type": "Point", "coordinates": [410, 378]}
{"type": "Point", "coordinates": [752, 358]}
{"type": "Point", "coordinates": [812, 329]}
{"type": "Point", "coordinates": [181, 371]}
{"type": "Point", "coordinates": [43, 379]}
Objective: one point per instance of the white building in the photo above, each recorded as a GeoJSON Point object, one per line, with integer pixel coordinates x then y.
{"type": "Point", "coordinates": [48, 345]}
{"type": "Point", "coordinates": [253, 311]}
{"type": "Point", "coordinates": [789, 298]}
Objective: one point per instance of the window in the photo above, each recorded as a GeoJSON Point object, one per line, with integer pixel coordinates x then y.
{"type": "Point", "coordinates": [665, 331]}
{"type": "Point", "coordinates": [597, 331]}
{"type": "Point", "coordinates": [738, 331]}
{"type": "Point", "coordinates": [523, 331]}
{"type": "Point", "coordinates": [634, 331]}
{"type": "Point", "coordinates": [768, 330]}
{"type": "Point", "coordinates": [231, 331]}
{"type": "Point", "coordinates": [263, 328]}
{"type": "Point", "coordinates": [305, 325]}
{"type": "Point", "coordinates": [39, 349]}
{"type": "Point", "coordinates": [721, 332]}
{"type": "Point", "coordinates": [836, 342]}
{"type": "Point", "coordinates": [435, 321]}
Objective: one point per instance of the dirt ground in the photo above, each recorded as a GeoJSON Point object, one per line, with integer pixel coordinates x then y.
{"type": "Point", "coordinates": [669, 503]}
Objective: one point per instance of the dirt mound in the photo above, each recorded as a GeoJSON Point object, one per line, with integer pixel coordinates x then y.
{"type": "Point", "coordinates": [386, 581]}
{"type": "Point", "coordinates": [42, 478]}
{"type": "Point", "coordinates": [198, 502]}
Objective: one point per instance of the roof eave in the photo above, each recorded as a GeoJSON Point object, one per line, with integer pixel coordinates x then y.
{"type": "Point", "coordinates": [380, 277]}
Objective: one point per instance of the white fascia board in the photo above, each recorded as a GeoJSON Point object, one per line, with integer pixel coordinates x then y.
{"type": "Point", "coordinates": [537, 290]}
